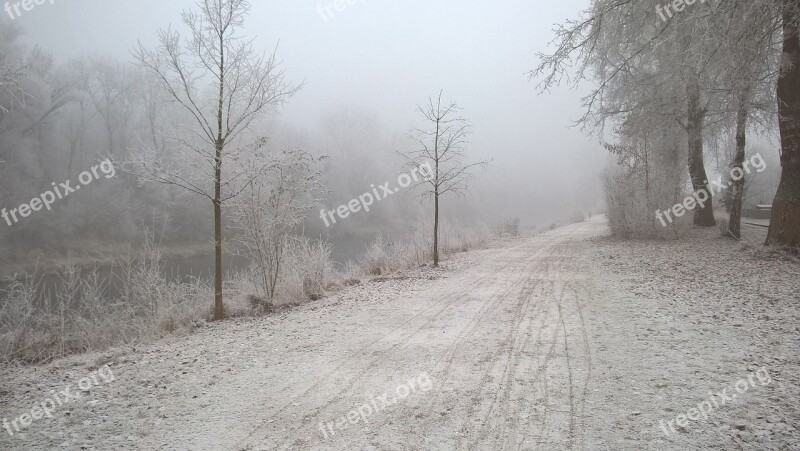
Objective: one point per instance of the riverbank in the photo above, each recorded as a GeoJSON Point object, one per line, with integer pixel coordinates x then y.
{"type": "Point", "coordinates": [81, 310]}
{"type": "Point", "coordinates": [566, 340]}
{"type": "Point", "coordinates": [87, 254]}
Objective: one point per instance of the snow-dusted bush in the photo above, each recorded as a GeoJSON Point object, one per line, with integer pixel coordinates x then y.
{"type": "Point", "coordinates": [722, 223]}
{"type": "Point", "coordinates": [508, 227]}
{"type": "Point", "coordinates": [458, 239]}
{"type": "Point", "coordinates": [377, 258]}
{"type": "Point", "coordinates": [576, 218]}
{"type": "Point", "coordinates": [308, 269]}
{"type": "Point", "coordinates": [268, 213]}
{"type": "Point", "coordinates": [80, 316]}
{"type": "Point", "coordinates": [632, 200]}
{"type": "Point", "coordinates": [383, 256]}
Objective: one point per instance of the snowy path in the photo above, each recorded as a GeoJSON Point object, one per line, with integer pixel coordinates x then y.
{"type": "Point", "coordinates": [502, 343]}
{"type": "Point", "coordinates": [565, 340]}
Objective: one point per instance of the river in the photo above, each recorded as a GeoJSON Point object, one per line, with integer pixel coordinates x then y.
{"type": "Point", "coordinates": [202, 267]}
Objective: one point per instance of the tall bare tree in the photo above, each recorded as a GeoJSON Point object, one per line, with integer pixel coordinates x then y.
{"type": "Point", "coordinates": [112, 88]}
{"type": "Point", "coordinates": [224, 86]}
{"type": "Point", "coordinates": [13, 69]}
{"type": "Point", "coordinates": [626, 46]}
{"type": "Point", "coordinates": [441, 143]}
{"type": "Point", "coordinates": [646, 70]}
{"type": "Point", "coordinates": [784, 226]}
{"type": "Point", "coordinates": [746, 80]}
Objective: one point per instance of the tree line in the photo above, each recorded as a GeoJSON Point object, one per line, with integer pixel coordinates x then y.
{"type": "Point", "coordinates": [667, 89]}
{"type": "Point", "coordinates": [189, 126]}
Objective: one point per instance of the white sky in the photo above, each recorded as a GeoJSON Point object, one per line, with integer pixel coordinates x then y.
{"type": "Point", "coordinates": [387, 56]}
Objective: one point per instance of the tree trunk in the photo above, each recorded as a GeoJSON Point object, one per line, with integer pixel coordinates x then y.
{"type": "Point", "coordinates": [436, 231]}
{"type": "Point", "coordinates": [734, 223]}
{"type": "Point", "coordinates": [219, 310]}
{"type": "Point", "coordinates": [703, 216]}
{"type": "Point", "coordinates": [436, 187]}
{"type": "Point", "coordinates": [784, 228]}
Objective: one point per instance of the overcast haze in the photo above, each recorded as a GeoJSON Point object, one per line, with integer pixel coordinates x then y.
{"type": "Point", "coordinates": [393, 240]}
{"type": "Point", "coordinates": [386, 58]}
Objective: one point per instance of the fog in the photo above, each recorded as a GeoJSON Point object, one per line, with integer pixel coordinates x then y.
{"type": "Point", "coordinates": [382, 59]}
{"type": "Point", "coordinates": [349, 85]}
{"type": "Point", "coordinates": [399, 224]}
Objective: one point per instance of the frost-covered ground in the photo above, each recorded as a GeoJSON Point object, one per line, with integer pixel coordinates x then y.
{"type": "Point", "coordinates": [565, 340]}
{"type": "Point", "coordinates": [677, 320]}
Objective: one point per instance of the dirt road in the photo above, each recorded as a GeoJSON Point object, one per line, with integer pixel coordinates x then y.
{"type": "Point", "coordinates": [502, 343]}
{"type": "Point", "coordinates": [565, 340]}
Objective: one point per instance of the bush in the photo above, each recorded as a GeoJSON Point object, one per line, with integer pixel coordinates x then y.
{"type": "Point", "coordinates": [722, 223]}
{"type": "Point", "coordinates": [377, 259]}
{"type": "Point", "coordinates": [383, 256]}
{"type": "Point", "coordinates": [508, 227]}
{"type": "Point", "coordinates": [80, 316]}
{"type": "Point", "coordinates": [632, 204]}
{"type": "Point", "coordinates": [308, 269]}
{"type": "Point", "coordinates": [464, 240]}
{"type": "Point", "coordinates": [259, 304]}
{"type": "Point", "coordinates": [577, 218]}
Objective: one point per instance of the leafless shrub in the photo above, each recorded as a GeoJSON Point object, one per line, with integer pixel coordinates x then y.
{"type": "Point", "coordinates": [508, 227]}
{"type": "Point", "coordinates": [464, 239]}
{"type": "Point", "coordinates": [576, 218]}
{"type": "Point", "coordinates": [260, 305]}
{"type": "Point", "coordinates": [722, 223]}
{"type": "Point", "coordinates": [269, 211]}
{"type": "Point", "coordinates": [383, 256]}
{"type": "Point", "coordinates": [308, 270]}
{"type": "Point", "coordinates": [78, 315]}
{"type": "Point", "coordinates": [632, 202]}
{"type": "Point", "coordinates": [378, 259]}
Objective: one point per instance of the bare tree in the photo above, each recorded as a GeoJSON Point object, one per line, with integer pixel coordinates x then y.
{"type": "Point", "coordinates": [243, 87]}
{"type": "Point", "coordinates": [13, 69]}
{"type": "Point", "coordinates": [784, 226]}
{"type": "Point", "coordinates": [11, 88]}
{"type": "Point", "coordinates": [441, 143]}
{"type": "Point", "coordinates": [676, 69]}
{"type": "Point", "coordinates": [737, 189]}
{"type": "Point", "coordinates": [645, 71]}
{"type": "Point", "coordinates": [746, 78]}
{"type": "Point", "coordinates": [272, 207]}
{"type": "Point", "coordinates": [112, 87]}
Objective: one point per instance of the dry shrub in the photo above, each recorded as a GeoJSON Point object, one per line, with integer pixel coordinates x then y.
{"type": "Point", "coordinates": [576, 218]}
{"type": "Point", "coordinates": [632, 203]}
{"type": "Point", "coordinates": [722, 223]}
{"type": "Point", "coordinates": [308, 269]}
{"type": "Point", "coordinates": [260, 305]}
{"type": "Point", "coordinates": [508, 227]}
{"type": "Point", "coordinates": [456, 240]}
{"type": "Point", "coordinates": [305, 273]}
{"type": "Point", "coordinates": [76, 314]}
{"type": "Point", "coordinates": [383, 256]}
{"type": "Point", "coordinates": [378, 259]}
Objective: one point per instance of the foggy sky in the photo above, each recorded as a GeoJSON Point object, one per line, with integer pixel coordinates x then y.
{"type": "Point", "coordinates": [386, 57]}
